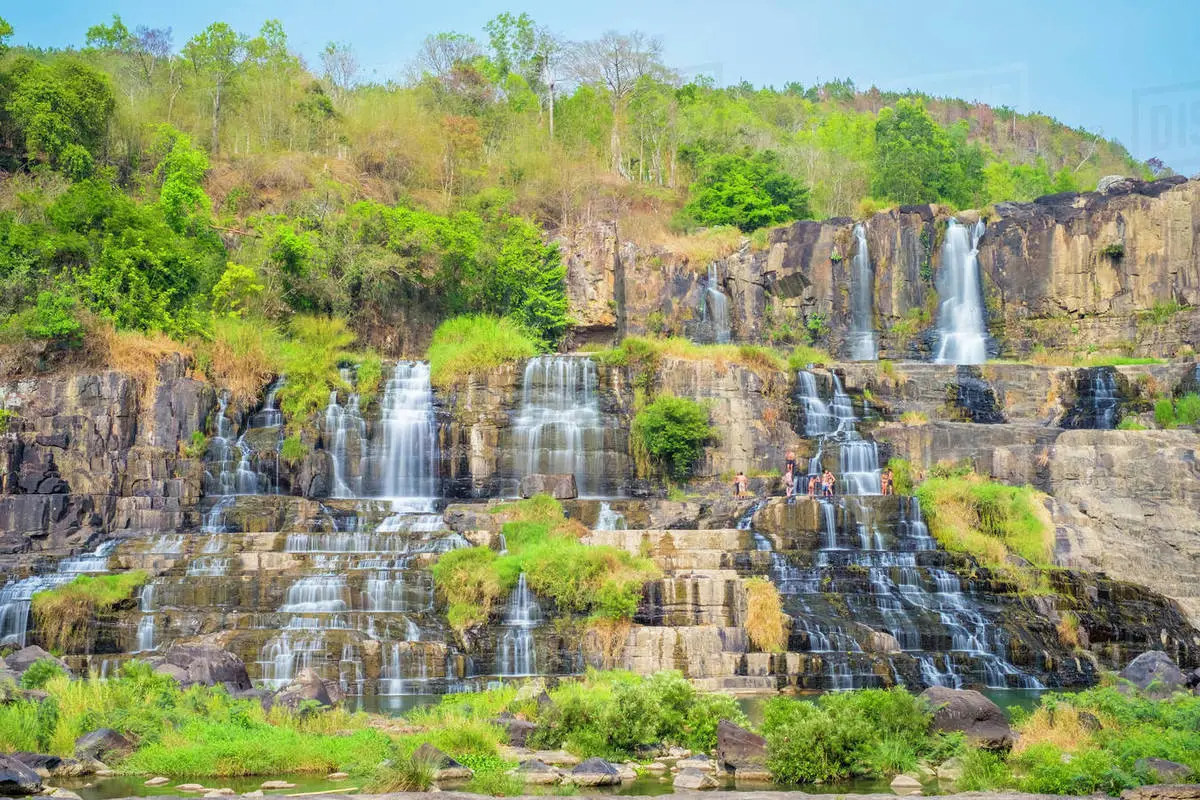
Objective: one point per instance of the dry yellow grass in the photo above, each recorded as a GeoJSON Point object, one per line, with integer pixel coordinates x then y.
{"type": "Point", "coordinates": [1058, 725]}
{"type": "Point", "coordinates": [766, 624]}
{"type": "Point", "coordinates": [1068, 629]}
{"type": "Point", "coordinates": [135, 353]}
{"type": "Point", "coordinates": [913, 419]}
{"type": "Point", "coordinates": [242, 357]}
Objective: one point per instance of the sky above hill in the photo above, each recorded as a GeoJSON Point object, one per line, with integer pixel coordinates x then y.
{"type": "Point", "coordinates": [1130, 71]}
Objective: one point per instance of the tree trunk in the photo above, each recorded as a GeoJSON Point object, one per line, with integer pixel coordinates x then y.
{"type": "Point", "coordinates": [216, 120]}
{"type": "Point", "coordinates": [551, 110]}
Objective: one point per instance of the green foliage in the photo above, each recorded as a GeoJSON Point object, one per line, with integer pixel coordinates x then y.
{"type": "Point", "coordinates": [66, 615]}
{"type": "Point", "coordinates": [673, 431]}
{"type": "Point", "coordinates": [310, 359]}
{"type": "Point", "coordinates": [196, 447]}
{"type": "Point", "coordinates": [463, 345]}
{"type": "Point", "coordinates": [1160, 312]}
{"type": "Point", "coordinates": [237, 286]}
{"type": "Point", "coordinates": [61, 110]}
{"type": "Point", "coordinates": [872, 732]}
{"type": "Point", "coordinates": [984, 771]}
{"type": "Point", "coordinates": [7, 418]}
{"type": "Point", "coordinates": [54, 318]}
{"type": "Point", "coordinates": [368, 377]}
{"type": "Point", "coordinates": [1130, 424]}
{"type": "Point", "coordinates": [1187, 409]}
{"type": "Point", "coordinates": [407, 774]}
{"type": "Point", "coordinates": [746, 191]}
{"type": "Point", "coordinates": [40, 672]}
{"type": "Point", "coordinates": [918, 161]}
{"type": "Point", "coordinates": [902, 478]}
{"type": "Point", "coordinates": [1164, 413]}
{"type": "Point", "coordinates": [293, 449]}
{"type": "Point", "coordinates": [180, 172]}
{"type": "Point", "coordinates": [1115, 251]}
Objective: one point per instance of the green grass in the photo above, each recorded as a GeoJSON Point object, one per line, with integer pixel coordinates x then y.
{"type": "Point", "coordinates": [467, 344]}
{"type": "Point", "coordinates": [646, 351]}
{"type": "Point", "coordinates": [310, 358]}
{"type": "Point", "coordinates": [66, 615]}
{"type": "Point", "coordinates": [988, 521]}
{"type": "Point", "coordinates": [368, 378]}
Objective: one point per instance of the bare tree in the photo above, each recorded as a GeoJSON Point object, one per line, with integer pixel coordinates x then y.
{"type": "Point", "coordinates": [548, 58]}
{"type": "Point", "coordinates": [441, 52]}
{"type": "Point", "coordinates": [152, 45]}
{"type": "Point", "coordinates": [615, 62]}
{"type": "Point", "coordinates": [341, 67]}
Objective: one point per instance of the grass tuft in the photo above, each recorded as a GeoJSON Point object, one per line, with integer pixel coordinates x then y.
{"type": "Point", "coordinates": [467, 344]}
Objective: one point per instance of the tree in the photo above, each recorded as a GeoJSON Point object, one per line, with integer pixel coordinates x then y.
{"type": "Point", "coordinates": [60, 109]}
{"type": "Point", "coordinates": [440, 53]}
{"type": "Point", "coordinates": [340, 66]}
{"type": "Point", "coordinates": [181, 172]}
{"type": "Point", "coordinates": [673, 431]}
{"type": "Point", "coordinates": [616, 62]}
{"type": "Point", "coordinates": [219, 55]}
{"type": "Point", "coordinates": [6, 31]}
{"type": "Point", "coordinates": [111, 37]}
{"type": "Point", "coordinates": [749, 192]}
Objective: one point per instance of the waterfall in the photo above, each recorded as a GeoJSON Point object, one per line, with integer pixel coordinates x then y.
{"type": "Point", "coordinates": [405, 669]}
{"type": "Point", "coordinates": [609, 520]}
{"type": "Point", "coordinates": [16, 596]}
{"type": "Point", "coordinates": [834, 421]}
{"type": "Point", "coordinates": [146, 625]}
{"type": "Point", "coordinates": [862, 307]}
{"type": "Point", "coordinates": [287, 653]}
{"type": "Point", "coordinates": [714, 307]}
{"type": "Point", "coordinates": [558, 428]}
{"type": "Point", "coordinates": [317, 594]}
{"type": "Point", "coordinates": [1104, 398]}
{"type": "Point", "coordinates": [515, 652]}
{"type": "Point", "coordinates": [345, 438]}
{"type": "Point", "coordinates": [410, 433]}
{"type": "Point", "coordinates": [962, 333]}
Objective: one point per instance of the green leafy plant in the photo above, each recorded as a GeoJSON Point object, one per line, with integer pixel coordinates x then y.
{"type": "Point", "coordinates": [673, 432]}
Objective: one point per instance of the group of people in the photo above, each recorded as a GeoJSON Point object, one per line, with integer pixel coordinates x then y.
{"type": "Point", "coordinates": [823, 482]}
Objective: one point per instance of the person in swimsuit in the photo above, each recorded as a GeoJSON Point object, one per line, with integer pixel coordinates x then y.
{"type": "Point", "coordinates": [739, 485]}
{"type": "Point", "coordinates": [885, 482]}
{"type": "Point", "coordinates": [789, 465]}
{"type": "Point", "coordinates": [827, 482]}
{"type": "Point", "coordinates": [789, 483]}
{"type": "Point", "coordinates": [812, 485]}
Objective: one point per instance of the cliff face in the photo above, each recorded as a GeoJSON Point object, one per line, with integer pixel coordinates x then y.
{"type": "Point", "coordinates": [1066, 271]}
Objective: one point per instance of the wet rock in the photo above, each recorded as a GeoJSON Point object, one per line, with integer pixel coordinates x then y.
{"type": "Point", "coordinates": [1155, 674]}
{"type": "Point", "coordinates": [699, 762]}
{"type": "Point", "coordinates": [102, 744]}
{"type": "Point", "coordinates": [656, 767]}
{"type": "Point", "coordinates": [205, 665]}
{"type": "Point", "coordinates": [16, 779]}
{"type": "Point", "coordinates": [739, 747]}
{"type": "Point", "coordinates": [24, 658]}
{"type": "Point", "coordinates": [337, 776]}
{"type": "Point", "coordinates": [905, 784]}
{"type": "Point", "coordinates": [43, 765]}
{"type": "Point", "coordinates": [626, 772]}
{"type": "Point", "coordinates": [1089, 721]}
{"type": "Point", "coordinates": [560, 487]}
{"type": "Point", "coordinates": [191, 787]}
{"type": "Point", "coordinates": [750, 773]}
{"type": "Point", "coordinates": [951, 769]}
{"type": "Point", "coordinates": [309, 686]}
{"type": "Point", "coordinates": [694, 779]}
{"type": "Point", "coordinates": [277, 785]}
{"type": "Point", "coordinates": [158, 781]}
{"type": "Point", "coordinates": [1164, 791]}
{"type": "Point", "coordinates": [595, 772]}
{"type": "Point", "coordinates": [447, 769]}
{"type": "Point", "coordinates": [538, 773]}
{"type": "Point", "coordinates": [62, 794]}
{"type": "Point", "coordinates": [969, 711]}
{"type": "Point", "coordinates": [1162, 770]}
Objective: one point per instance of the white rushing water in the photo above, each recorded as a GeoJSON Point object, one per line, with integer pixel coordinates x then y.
{"type": "Point", "coordinates": [833, 422]}
{"type": "Point", "coordinates": [409, 434]}
{"type": "Point", "coordinates": [609, 520]}
{"type": "Point", "coordinates": [862, 306]}
{"type": "Point", "coordinates": [558, 428]}
{"type": "Point", "coordinates": [714, 307]}
{"type": "Point", "coordinates": [961, 328]}
{"type": "Point", "coordinates": [515, 651]}
{"type": "Point", "coordinates": [346, 442]}
{"type": "Point", "coordinates": [15, 596]}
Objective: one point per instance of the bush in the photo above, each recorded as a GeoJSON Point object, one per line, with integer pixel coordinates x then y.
{"type": "Point", "coordinates": [54, 318]}
{"type": "Point", "coordinates": [766, 623]}
{"type": "Point", "coordinates": [1164, 413]}
{"type": "Point", "coordinates": [673, 432]}
{"type": "Point", "coordinates": [310, 359]}
{"type": "Point", "coordinates": [902, 478]}
{"type": "Point", "coordinates": [66, 615]}
{"type": "Point", "coordinates": [407, 774]}
{"type": "Point", "coordinates": [293, 449]}
{"type": "Point", "coordinates": [40, 673]}
{"type": "Point", "coordinates": [463, 345]}
{"type": "Point", "coordinates": [1187, 409]}
{"type": "Point", "coordinates": [749, 192]}
{"type": "Point", "coordinates": [470, 580]}
{"type": "Point", "coordinates": [241, 356]}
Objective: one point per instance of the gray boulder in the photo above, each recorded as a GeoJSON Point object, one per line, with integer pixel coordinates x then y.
{"type": "Point", "coordinates": [1162, 770]}
{"type": "Point", "coordinates": [205, 665]}
{"type": "Point", "coordinates": [1155, 675]}
{"type": "Point", "coordinates": [538, 773]}
{"type": "Point", "coordinates": [24, 658]}
{"type": "Point", "coordinates": [694, 780]}
{"type": "Point", "coordinates": [102, 744]}
{"type": "Point", "coordinates": [1113, 183]}
{"type": "Point", "coordinates": [518, 730]}
{"type": "Point", "coordinates": [966, 710]}
{"type": "Point", "coordinates": [739, 747]}
{"type": "Point", "coordinates": [307, 686]}
{"type": "Point", "coordinates": [16, 779]}
{"type": "Point", "coordinates": [560, 487]}
{"type": "Point", "coordinates": [595, 772]}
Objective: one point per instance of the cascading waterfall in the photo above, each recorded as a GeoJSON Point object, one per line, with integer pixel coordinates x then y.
{"type": "Point", "coordinates": [609, 520]}
{"type": "Point", "coordinates": [862, 304]}
{"type": "Point", "coordinates": [345, 439]}
{"type": "Point", "coordinates": [558, 428]}
{"type": "Point", "coordinates": [516, 654]}
{"type": "Point", "coordinates": [409, 434]}
{"type": "Point", "coordinates": [714, 307]}
{"type": "Point", "coordinates": [833, 421]}
{"type": "Point", "coordinates": [961, 329]}
{"type": "Point", "coordinates": [146, 625]}
{"type": "Point", "coordinates": [1104, 398]}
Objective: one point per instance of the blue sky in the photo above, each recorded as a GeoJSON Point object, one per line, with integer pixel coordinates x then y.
{"type": "Point", "coordinates": [1128, 70]}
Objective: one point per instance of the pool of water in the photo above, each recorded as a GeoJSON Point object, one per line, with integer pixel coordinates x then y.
{"type": "Point", "coordinates": [135, 786]}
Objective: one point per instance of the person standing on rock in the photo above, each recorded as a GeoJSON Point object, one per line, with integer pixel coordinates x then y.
{"type": "Point", "coordinates": [827, 483]}
{"type": "Point", "coordinates": [789, 464]}
{"type": "Point", "coordinates": [885, 481]}
{"type": "Point", "coordinates": [789, 483]}
{"type": "Point", "coordinates": [740, 485]}
{"type": "Point", "coordinates": [813, 480]}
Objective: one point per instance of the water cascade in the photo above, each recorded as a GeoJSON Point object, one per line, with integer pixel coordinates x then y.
{"type": "Point", "coordinates": [833, 422]}
{"type": "Point", "coordinates": [1098, 401]}
{"type": "Point", "coordinates": [515, 654]}
{"type": "Point", "coordinates": [862, 303]}
{"type": "Point", "coordinates": [345, 434]}
{"type": "Point", "coordinates": [609, 520]}
{"type": "Point", "coordinates": [714, 307]}
{"type": "Point", "coordinates": [16, 596]}
{"type": "Point", "coordinates": [559, 427]}
{"type": "Point", "coordinates": [409, 434]}
{"type": "Point", "coordinates": [961, 329]}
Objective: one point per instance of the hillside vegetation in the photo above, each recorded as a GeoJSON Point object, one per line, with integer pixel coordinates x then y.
{"type": "Point", "coordinates": [161, 186]}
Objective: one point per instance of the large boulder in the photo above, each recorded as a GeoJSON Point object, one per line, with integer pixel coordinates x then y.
{"type": "Point", "coordinates": [1155, 674]}
{"type": "Point", "coordinates": [694, 780]}
{"type": "Point", "coordinates": [738, 747]}
{"type": "Point", "coordinates": [307, 686]}
{"type": "Point", "coordinates": [24, 658]}
{"type": "Point", "coordinates": [560, 487]}
{"type": "Point", "coordinates": [1162, 770]}
{"type": "Point", "coordinates": [101, 745]}
{"type": "Point", "coordinates": [538, 773]}
{"type": "Point", "coordinates": [445, 767]}
{"type": "Point", "coordinates": [16, 779]}
{"type": "Point", "coordinates": [205, 665]}
{"type": "Point", "coordinates": [595, 772]}
{"type": "Point", "coordinates": [518, 730]}
{"type": "Point", "coordinates": [966, 710]}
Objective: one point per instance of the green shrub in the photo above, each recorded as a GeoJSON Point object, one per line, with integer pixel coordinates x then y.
{"type": "Point", "coordinates": [406, 774]}
{"type": "Point", "coordinates": [470, 580]}
{"type": "Point", "coordinates": [1130, 424]}
{"type": "Point", "coordinates": [1164, 413]}
{"type": "Point", "coordinates": [901, 475]}
{"type": "Point", "coordinates": [54, 318]}
{"type": "Point", "coordinates": [293, 449]}
{"type": "Point", "coordinates": [7, 418]}
{"type": "Point", "coordinates": [984, 771]}
{"type": "Point", "coordinates": [368, 377]}
{"type": "Point", "coordinates": [463, 345]}
{"type": "Point", "coordinates": [1187, 409]}
{"type": "Point", "coordinates": [66, 615]}
{"type": "Point", "coordinates": [310, 358]}
{"type": "Point", "coordinates": [747, 191]}
{"type": "Point", "coordinates": [40, 673]}
{"type": "Point", "coordinates": [673, 432]}
{"type": "Point", "coordinates": [196, 445]}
